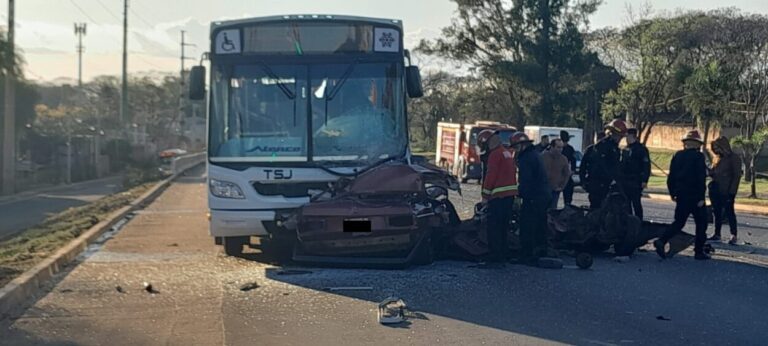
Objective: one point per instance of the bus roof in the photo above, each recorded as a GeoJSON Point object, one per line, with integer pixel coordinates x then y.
{"type": "Point", "coordinates": [308, 17]}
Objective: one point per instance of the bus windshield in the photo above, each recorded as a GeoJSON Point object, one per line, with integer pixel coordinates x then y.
{"type": "Point", "coordinates": [329, 112]}
{"type": "Point", "coordinates": [357, 112]}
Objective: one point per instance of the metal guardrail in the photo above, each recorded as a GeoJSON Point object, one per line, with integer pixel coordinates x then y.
{"type": "Point", "coordinates": [182, 163]}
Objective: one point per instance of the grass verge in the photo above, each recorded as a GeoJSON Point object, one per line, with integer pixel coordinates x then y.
{"type": "Point", "coordinates": [661, 158]}
{"type": "Point", "coordinates": [30, 247]}
{"type": "Point", "coordinates": [658, 183]}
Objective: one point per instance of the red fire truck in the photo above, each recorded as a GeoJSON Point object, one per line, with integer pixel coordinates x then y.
{"type": "Point", "coordinates": [457, 146]}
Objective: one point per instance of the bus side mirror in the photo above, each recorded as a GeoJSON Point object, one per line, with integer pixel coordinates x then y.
{"type": "Point", "coordinates": [197, 83]}
{"type": "Point", "coordinates": [413, 82]}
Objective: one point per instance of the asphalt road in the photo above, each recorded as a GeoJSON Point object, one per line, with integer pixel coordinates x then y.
{"type": "Point", "coordinates": [200, 301]}
{"type": "Point", "coordinates": [19, 214]}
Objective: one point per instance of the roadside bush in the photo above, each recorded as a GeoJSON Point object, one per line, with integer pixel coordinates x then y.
{"type": "Point", "coordinates": [142, 172]}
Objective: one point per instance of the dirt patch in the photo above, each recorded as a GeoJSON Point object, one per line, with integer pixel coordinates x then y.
{"type": "Point", "coordinates": [28, 248]}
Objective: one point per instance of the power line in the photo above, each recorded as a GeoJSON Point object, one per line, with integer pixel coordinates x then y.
{"type": "Point", "coordinates": [29, 71]}
{"type": "Point", "coordinates": [141, 18]}
{"type": "Point", "coordinates": [83, 12]}
{"type": "Point", "coordinates": [108, 10]}
{"type": "Point", "coordinates": [149, 62]}
{"type": "Point", "coordinates": [140, 7]}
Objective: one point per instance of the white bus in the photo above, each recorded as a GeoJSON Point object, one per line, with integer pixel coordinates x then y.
{"type": "Point", "coordinates": [295, 102]}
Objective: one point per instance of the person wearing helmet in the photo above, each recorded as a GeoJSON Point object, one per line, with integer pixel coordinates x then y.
{"type": "Point", "coordinates": [499, 190]}
{"type": "Point", "coordinates": [534, 189]}
{"type": "Point", "coordinates": [600, 165]}
{"type": "Point", "coordinates": [687, 187]}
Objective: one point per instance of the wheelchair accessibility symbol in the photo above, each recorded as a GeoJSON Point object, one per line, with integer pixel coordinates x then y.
{"type": "Point", "coordinates": [227, 45]}
{"type": "Point", "coordinates": [228, 42]}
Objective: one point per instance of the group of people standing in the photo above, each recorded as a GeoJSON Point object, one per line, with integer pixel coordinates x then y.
{"type": "Point", "coordinates": [515, 172]}
{"type": "Point", "coordinates": [688, 173]}
{"type": "Point", "coordinates": [539, 174]}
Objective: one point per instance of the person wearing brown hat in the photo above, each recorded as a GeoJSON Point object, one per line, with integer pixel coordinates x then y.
{"type": "Point", "coordinates": [687, 187]}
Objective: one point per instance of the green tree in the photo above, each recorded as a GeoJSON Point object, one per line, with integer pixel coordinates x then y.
{"type": "Point", "coordinates": [425, 112]}
{"type": "Point", "coordinates": [748, 43]}
{"type": "Point", "coordinates": [652, 56]}
{"type": "Point", "coordinates": [6, 59]}
{"type": "Point", "coordinates": [707, 95]}
{"type": "Point", "coordinates": [752, 147]}
{"type": "Point", "coordinates": [26, 96]}
{"type": "Point", "coordinates": [533, 50]}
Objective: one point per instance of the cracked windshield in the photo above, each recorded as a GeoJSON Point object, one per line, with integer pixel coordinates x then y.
{"type": "Point", "coordinates": [357, 112]}
{"type": "Point", "coordinates": [368, 172]}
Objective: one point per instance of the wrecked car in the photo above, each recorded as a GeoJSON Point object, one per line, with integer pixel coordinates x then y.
{"type": "Point", "coordinates": [571, 229]}
{"type": "Point", "coordinates": [388, 215]}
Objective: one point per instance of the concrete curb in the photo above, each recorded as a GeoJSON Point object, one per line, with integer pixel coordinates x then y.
{"type": "Point", "coordinates": [751, 209]}
{"type": "Point", "coordinates": [16, 293]}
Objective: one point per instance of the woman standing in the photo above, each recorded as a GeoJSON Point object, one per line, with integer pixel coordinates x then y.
{"type": "Point", "coordinates": [726, 175]}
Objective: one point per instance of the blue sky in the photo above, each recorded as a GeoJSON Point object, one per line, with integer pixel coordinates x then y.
{"type": "Point", "coordinates": [45, 27]}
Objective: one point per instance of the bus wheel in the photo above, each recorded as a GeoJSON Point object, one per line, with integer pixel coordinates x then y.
{"type": "Point", "coordinates": [233, 246]}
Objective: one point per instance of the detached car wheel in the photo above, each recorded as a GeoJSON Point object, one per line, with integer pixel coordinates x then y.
{"type": "Point", "coordinates": [233, 246]}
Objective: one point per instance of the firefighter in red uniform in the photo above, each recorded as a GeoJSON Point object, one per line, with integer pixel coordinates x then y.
{"type": "Point", "coordinates": [499, 191]}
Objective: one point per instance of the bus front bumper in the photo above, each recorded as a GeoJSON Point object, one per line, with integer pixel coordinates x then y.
{"type": "Point", "coordinates": [233, 223]}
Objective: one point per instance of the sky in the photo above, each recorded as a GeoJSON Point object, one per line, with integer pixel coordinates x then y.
{"type": "Point", "coordinates": [45, 33]}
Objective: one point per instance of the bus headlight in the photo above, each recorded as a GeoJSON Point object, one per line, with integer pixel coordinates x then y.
{"type": "Point", "coordinates": [225, 189]}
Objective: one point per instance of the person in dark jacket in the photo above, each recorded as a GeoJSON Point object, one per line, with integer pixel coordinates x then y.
{"type": "Point", "coordinates": [635, 172]}
{"type": "Point", "coordinates": [726, 175]}
{"type": "Point", "coordinates": [533, 188]}
{"type": "Point", "coordinates": [570, 153]}
{"type": "Point", "coordinates": [599, 136]}
{"type": "Point", "coordinates": [543, 145]}
{"type": "Point", "coordinates": [600, 165]}
{"type": "Point", "coordinates": [687, 187]}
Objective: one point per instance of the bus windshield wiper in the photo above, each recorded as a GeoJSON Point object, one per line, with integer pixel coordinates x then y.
{"type": "Point", "coordinates": [336, 88]}
{"type": "Point", "coordinates": [279, 83]}
{"type": "Point", "coordinates": [369, 165]}
{"type": "Point", "coordinates": [344, 77]}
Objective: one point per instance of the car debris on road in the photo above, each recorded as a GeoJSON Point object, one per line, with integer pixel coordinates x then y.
{"type": "Point", "coordinates": [392, 311]}
{"type": "Point", "coordinates": [249, 286]}
{"type": "Point", "coordinates": [148, 287]}
{"type": "Point", "coordinates": [348, 288]}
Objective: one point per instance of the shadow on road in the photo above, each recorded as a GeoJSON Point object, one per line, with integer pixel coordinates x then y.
{"type": "Point", "coordinates": [566, 305]}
